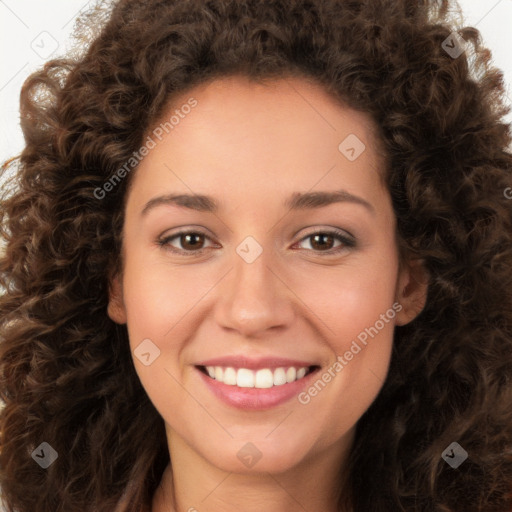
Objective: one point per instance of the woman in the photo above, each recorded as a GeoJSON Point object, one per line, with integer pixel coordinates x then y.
{"type": "Point", "coordinates": [258, 256]}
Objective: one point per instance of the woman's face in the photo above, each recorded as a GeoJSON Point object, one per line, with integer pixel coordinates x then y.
{"type": "Point", "coordinates": [291, 262]}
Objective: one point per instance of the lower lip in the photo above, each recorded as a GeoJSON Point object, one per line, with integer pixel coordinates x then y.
{"type": "Point", "coordinates": [255, 399]}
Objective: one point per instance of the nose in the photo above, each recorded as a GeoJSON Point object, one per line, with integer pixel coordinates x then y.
{"type": "Point", "coordinates": [254, 298]}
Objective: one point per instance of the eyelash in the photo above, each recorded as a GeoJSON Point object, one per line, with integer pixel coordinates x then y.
{"type": "Point", "coordinates": [346, 242]}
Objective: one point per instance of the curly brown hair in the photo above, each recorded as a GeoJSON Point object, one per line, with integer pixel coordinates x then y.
{"type": "Point", "coordinates": [66, 371]}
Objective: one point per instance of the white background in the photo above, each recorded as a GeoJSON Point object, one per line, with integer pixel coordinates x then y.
{"type": "Point", "coordinates": [31, 29]}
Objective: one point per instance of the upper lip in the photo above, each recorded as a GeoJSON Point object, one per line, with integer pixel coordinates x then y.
{"type": "Point", "coordinates": [255, 363]}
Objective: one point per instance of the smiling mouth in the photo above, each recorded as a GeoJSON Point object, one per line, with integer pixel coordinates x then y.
{"type": "Point", "coordinates": [263, 378]}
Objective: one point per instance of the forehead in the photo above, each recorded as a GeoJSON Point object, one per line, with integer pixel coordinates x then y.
{"type": "Point", "coordinates": [281, 135]}
{"type": "Point", "coordinates": [271, 105]}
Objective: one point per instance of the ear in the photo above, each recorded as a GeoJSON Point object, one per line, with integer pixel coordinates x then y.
{"type": "Point", "coordinates": [116, 309]}
{"type": "Point", "coordinates": [411, 291]}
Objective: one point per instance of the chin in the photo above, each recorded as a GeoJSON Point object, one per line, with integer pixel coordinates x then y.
{"type": "Point", "coordinates": [259, 455]}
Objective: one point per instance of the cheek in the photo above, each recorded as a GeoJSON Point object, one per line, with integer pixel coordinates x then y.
{"type": "Point", "coordinates": [355, 306]}
{"type": "Point", "coordinates": [159, 303]}
{"type": "Point", "coordinates": [157, 296]}
{"type": "Point", "coordinates": [356, 311]}
{"type": "Point", "coordinates": [348, 299]}
{"type": "Point", "coordinates": [352, 379]}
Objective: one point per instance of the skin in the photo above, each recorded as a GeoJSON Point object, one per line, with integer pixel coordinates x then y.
{"type": "Point", "coordinates": [250, 146]}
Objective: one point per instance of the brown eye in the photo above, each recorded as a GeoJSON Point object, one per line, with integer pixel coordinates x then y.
{"type": "Point", "coordinates": [329, 242]}
{"type": "Point", "coordinates": [191, 242]}
{"type": "Point", "coordinates": [322, 241]}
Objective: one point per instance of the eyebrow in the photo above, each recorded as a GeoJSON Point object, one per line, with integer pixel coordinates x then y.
{"type": "Point", "coordinates": [297, 201]}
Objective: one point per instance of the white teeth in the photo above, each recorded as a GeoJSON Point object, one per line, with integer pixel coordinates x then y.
{"type": "Point", "coordinates": [230, 376]}
{"type": "Point", "coordinates": [244, 378]}
{"type": "Point", "coordinates": [291, 374]}
{"type": "Point", "coordinates": [279, 376]}
{"type": "Point", "coordinates": [264, 378]}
